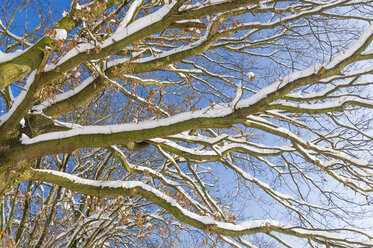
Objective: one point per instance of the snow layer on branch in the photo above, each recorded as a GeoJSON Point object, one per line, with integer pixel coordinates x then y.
{"type": "Point", "coordinates": [19, 98]}
{"type": "Point", "coordinates": [207, 220]}
{"type": "Point", "coordinates": [247, 226]}
{"type": "Point", "coordinates": [61, 34]}
{"type": "Point", "coordinates": [324, 92]}
{"type": "Point", "coordinates": [190, 21]}
{"type": "Point", "coordinates": [23, 137]}
{"type": "Point", "coordinates": [218, 111]}
{"type": "Point", "coordinates": [4, 57]}
{"type": "Point", "coordinates": [349, 52]}
{"type": "Point", "coordinates": [238, 96]}
{"type": "Point", "coordinates": [60, 97]}
{"type": "Point", "coordinates": [73, 52]}
{"type": "Point", "coordinates": [120, 35]}
{"type": "Point", "coordinates": [170, 52]}
{"type": "Point", "coordinates": [279, 84]}
{"type": "Point", "coordinates": [264, 151]}
{"type": "Point", "coordinates": [202, 5]}
{"type": "Point", "coordinates": [22, 123]}
{"type": "Point", "coordinates": [329, 105]}
{"type": "Point", "coordinates": [139, 24]}
{"type": "Point", "coordinates": [129, 15]}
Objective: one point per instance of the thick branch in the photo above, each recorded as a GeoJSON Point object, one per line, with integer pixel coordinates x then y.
{"type": "Point", "coordinates": [132, 188]}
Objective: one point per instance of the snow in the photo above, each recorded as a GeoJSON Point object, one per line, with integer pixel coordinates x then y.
{"type": "Point", "coordinates": [4, 57]}
{"type": "Point", "coordinates": [218, 111]}
{"type": "Point", "coordinates": [24, 137]}
{"type": "Point", "coordinates": [19, 98]}
{"type": "Point", "coordinates": [73, 52]}
{"type": "Point", "coordinates": [130, 14]}
{"type": "Point", "coordinates": [207, 220]}
{"type": "Point", "coordinates": [193, 71]}
{"type": "Point", "coordinates": [61, 34]}
{"type": "Point", "coordinates": [119, 151]}
{"type": "Point", "coordinates": [324, 92]}
{"type": "Point", "coordinates": [149, 81]}
{"type": "Point", "coordinates": [328, 105]}
{"type": "Point", "coordinates": [238, 96]}
{"type": "Point", "coordinates": [169, 182]}
{"type": "Point", "coordinates": [320, 149]}
{"type": "Point", "coordinates": [222, 150]}
{"type": "Point", "coordinates": [129, 30]}
{"type": "Point", "coordinates": [279, 84]}
{"type": "Point", "coordinates": [171, 52]}
{"type": "Point", "coordinates": [251, 75]}
{"type": "Point", "coordinates": [156, 196]}
{"type": "Point", "coordinates": [22, 123]}
{"type": "Point", "coordinates": [63, 124]}
{"type": "Point", "coordinates": [60, 97]}
{"type": "Point", "coordinates": [200, 5]}
{"type": "Point", "coordinates": [349, 52]}
{"type": "Point", "coordinates": [140, 24]}
{"type": "Point", "coordinates": [202, 139]}
{"type": "Point", "coordinates": [13, 36]}
{"type": "Point", "coordinates": [189, 21]}
{"type": "Point", "coordinates": [115, 62]}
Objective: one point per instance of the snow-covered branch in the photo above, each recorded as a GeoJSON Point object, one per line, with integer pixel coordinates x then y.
{"type": "Point", "coordinates": [124, 188]}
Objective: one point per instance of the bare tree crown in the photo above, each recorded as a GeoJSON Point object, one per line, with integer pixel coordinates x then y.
{"type": "Point", "coordinates": [243, 123]}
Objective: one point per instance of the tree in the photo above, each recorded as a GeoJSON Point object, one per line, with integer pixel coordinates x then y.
{"type": "Point", "coordinates": [124, 122]}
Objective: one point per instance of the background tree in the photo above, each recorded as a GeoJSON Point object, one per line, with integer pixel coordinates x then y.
{"type": "Point", "coordinates": [170, 123]}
